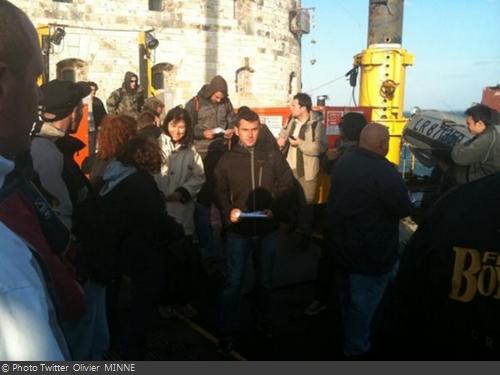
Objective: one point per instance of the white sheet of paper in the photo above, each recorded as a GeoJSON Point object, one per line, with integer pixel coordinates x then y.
{"type": "Point", "coordinates": [218, 130]}
{"type": "Point", "coordinates": [253, 214]}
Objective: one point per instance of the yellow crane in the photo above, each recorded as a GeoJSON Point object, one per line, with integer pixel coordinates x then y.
{"type": "Point", "coordinates": [147, 43]}
{"type": "Point", "coordinates": [44, 41]}
{"type": "Point", "coordinates": [383, 66]}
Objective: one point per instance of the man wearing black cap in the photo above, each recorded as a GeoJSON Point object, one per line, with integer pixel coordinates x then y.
{"type": "Point", "coordinates": [52, 150]}
{"type": "Point", "coordinates": [58, 114]}
{"type": "Point", "coordinates": [351, 125]}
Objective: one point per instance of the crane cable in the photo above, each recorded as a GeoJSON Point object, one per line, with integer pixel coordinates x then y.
{"type": "Point", "coordinates": [325, 84]}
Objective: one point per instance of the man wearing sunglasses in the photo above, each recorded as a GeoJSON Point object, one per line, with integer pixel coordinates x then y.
{"type": "Point", "coordinates": [128, 99]}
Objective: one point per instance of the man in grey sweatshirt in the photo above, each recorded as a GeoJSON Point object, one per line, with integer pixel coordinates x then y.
{"type": "Point", "coordinates": [479, 156]}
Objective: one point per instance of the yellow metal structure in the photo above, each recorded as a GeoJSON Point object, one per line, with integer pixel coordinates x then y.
{"type": "Point", "coordinates": [44, 42]}
{"type": "Point", "coordinates": [42, 30]}
{"type": "Point", "coordinates": [382, 85]}
{"type": "Point", "coordinates": [145, 65]}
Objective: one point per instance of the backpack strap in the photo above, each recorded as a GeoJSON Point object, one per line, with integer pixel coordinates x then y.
{"type": "Point", "coordinates": [121, 90]}
{"type": "Point", "coordinates": [196, 109]}
{"type": "Point", "coordinates": [229, 110]}
{"type": "Point", "coordinates": [54, 230]}
{"type": "Point", "coordinates": [313, 129]}
{"type": "Point", "coordinates": [196, 103]}
{"type": "Point", "coordinates": [24, 182]}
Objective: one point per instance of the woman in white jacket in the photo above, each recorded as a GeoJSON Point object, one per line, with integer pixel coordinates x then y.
{"type": "Point", "coordinates": [181, 178]}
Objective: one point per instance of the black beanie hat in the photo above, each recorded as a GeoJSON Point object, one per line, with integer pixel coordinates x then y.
{"type": "Point", "coordinates": [351, 125]}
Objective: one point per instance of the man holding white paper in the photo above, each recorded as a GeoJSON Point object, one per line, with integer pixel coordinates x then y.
{"type": "Point", "coordinates": [254, 185]}
{"type": "Point", "coordinates": [212, 117]}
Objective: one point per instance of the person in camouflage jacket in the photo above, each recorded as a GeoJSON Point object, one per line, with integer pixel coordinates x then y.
{"type": "Point", "coordinates": [128, 99]}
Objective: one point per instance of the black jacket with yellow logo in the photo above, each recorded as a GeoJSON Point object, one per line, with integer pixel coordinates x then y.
{"type": "Point", "coordinates": [447, 303]}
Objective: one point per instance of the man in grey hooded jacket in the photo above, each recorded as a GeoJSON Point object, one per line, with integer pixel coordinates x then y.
{"type": "Point", "coordinates": [213, 119]}
{"type": "Point", "coordinates": [212, 115]}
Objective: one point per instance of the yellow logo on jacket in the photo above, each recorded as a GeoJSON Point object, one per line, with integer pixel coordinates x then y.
{"type": "Point", "coordinates": [475, 273]}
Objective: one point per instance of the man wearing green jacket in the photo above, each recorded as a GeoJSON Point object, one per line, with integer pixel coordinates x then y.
{"type": "Point", "coordinates": [128, 99]}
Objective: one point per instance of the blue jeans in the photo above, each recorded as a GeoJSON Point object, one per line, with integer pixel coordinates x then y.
{"type": "Point", "coordinates": [88, 337]}
{"type": "Point", "coordinates": [204, 231]}
{"type": "Point", "coordinates": [238, 248]}
{"type": "Point", "coordinates": [359, 295]}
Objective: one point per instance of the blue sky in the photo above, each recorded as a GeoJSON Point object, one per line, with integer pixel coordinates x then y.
{"type": "Point", "coordinates": [456, 44]}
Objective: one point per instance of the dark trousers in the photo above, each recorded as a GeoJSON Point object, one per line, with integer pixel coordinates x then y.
{"type": "Point", "coordinates": [307, 195]}
{"type": "Point", "coordinates": [92, 142]}
{"type": "Point", "coordinates": [323, 285]}
{"type": "Point", "coordinates": [182, 265]}
{"type": "Point", "coordinates": [204, 231]}
{"type": "Point", "coordinates": [238, 249]}
{"type": "Point", "coordinates": [144, 290]}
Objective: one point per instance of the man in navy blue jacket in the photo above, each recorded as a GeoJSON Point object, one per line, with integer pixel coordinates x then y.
{"type": "Point", "coordinates": [366, 202]}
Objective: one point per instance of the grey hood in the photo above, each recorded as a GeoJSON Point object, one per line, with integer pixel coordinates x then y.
{"type": "Point", "coordinates": [115, 173]}
{"type": "Point", "coordinates": [216, 84]}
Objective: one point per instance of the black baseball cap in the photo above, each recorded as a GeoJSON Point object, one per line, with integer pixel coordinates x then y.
{"type": "Point", "coordinates": [60, 98]}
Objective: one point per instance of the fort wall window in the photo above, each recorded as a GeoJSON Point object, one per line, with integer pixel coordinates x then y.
{"type": "Point", "coordinates": [155, 5]}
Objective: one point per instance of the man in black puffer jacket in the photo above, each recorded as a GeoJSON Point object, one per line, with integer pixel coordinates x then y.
{"type": "Point", "coordinates": [253, 189]}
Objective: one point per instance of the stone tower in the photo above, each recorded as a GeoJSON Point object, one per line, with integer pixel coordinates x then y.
{"type": "Point", "coordinates": [254, 44]}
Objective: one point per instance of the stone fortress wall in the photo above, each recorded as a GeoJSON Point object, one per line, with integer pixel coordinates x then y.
{"type": "Point", "coordinates": [248, 42]}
